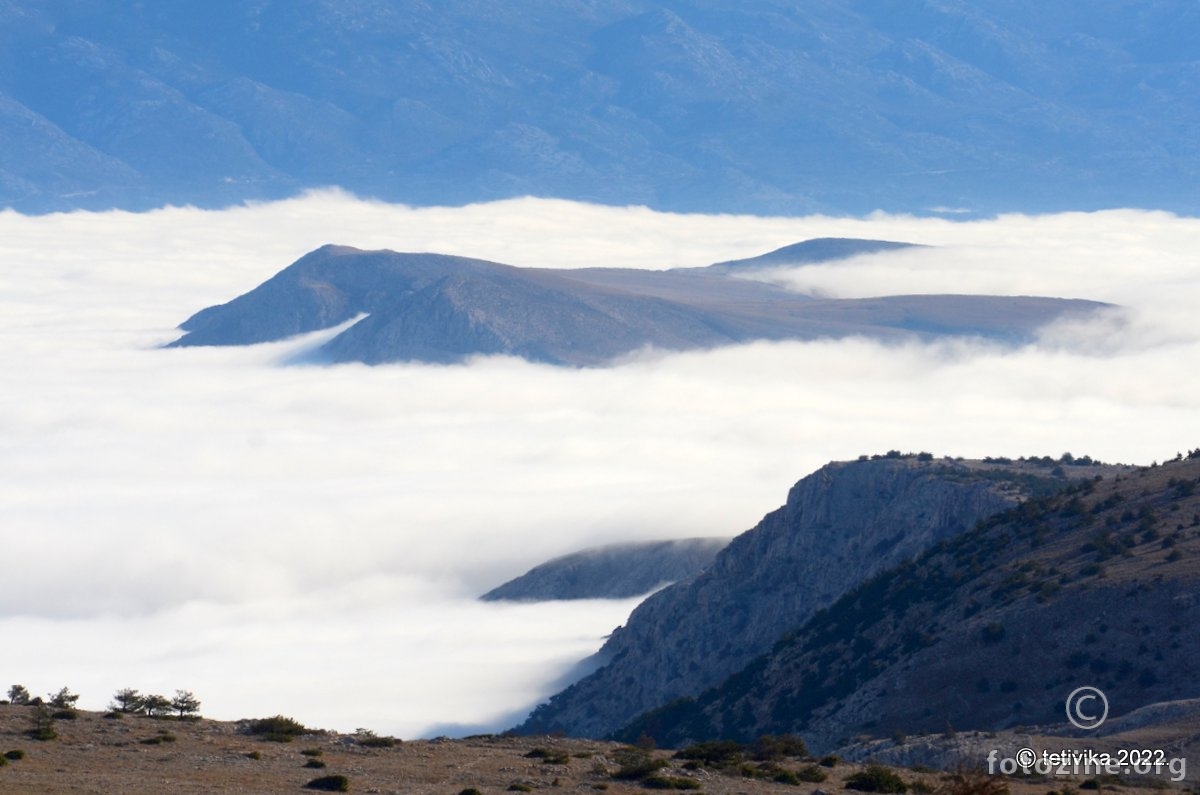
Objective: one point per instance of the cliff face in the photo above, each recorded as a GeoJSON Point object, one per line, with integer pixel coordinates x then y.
{"type": "Point", "coordinates": [1094, 586]}
{"type": "Point", "coordinates": [840, 525]}
{"type": "Point", "coordinates": [616, 571]}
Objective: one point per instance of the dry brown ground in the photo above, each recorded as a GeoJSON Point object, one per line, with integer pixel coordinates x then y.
{"type": "Point", "coordinates": [94, 754]}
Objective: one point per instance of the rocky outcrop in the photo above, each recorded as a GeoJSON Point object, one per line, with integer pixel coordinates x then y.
{"type": "Point", "coordinates": [615, 571]}
{"type": "Point", "coordinates": [840, 525]}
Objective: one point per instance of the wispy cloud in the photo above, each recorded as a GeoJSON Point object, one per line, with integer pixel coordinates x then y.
{"type": "Point", "coordinates": [308, 540]}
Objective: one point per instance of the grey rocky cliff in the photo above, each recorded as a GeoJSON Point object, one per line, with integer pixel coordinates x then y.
{"type": "Point", "coordinates": [615, 571]}
{"type": "Point", "coordinates": [840, 525]}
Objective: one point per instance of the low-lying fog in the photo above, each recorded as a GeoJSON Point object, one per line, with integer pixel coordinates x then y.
{"type": "Point", "coordinates": [310, 540]}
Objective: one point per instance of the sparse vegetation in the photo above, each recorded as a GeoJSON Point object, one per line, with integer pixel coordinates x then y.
{"type": "Point", "coordinates": [670, 782]}
{"type": "Point", "coordinates": [876, 778]}
{"type": "Point", "coordinates": [42, 724]}
{"type": "Point", "coordinates": [335, 783]}
{"type": "Point", "coordinates": [19, 695]}
{"type": "Point", "coordinates": [635, 763]}
{"type": "Point", "coordinates": [277, 728]}
{"type": "Point", "coordinates": [971, 781]}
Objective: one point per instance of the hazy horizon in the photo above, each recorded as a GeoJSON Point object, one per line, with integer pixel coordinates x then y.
{"type": "Point", "coordinates": [310, 540]}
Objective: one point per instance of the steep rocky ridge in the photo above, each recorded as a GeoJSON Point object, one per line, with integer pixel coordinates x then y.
{"type": "Point", "coordinates": [992, 629]}
{"type": "Point", "coordinates": [439, 308]}
{"type": "Point", "coordinates": [840, 525]}
{"type": "Point", "coordinates": [614, 571]}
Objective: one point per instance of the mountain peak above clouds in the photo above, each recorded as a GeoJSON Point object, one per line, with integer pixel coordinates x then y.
{"type": "Point", "coordinates": [441, 308]}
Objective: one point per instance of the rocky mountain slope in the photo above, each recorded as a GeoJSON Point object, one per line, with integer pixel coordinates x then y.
{"type": "Point", "coordinates": [993, 628]}
{"type": "Point", "coordinates": [840, 525]}
{"type": "Point", "coordinates": [437, 308]}
{"type": "Point", "coordinates": [758, 106]}
{"type": "Point", "coordinates": [615, 571]}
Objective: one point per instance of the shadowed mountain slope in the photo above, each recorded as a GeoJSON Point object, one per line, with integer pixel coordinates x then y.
{"type": "Point", "coordinates": [616, 571]}
{"type": "Point", "coordinates": [438, 308]}
{"type": "Point", "coordinates": [839, 526]}
{"type": "Point", "coordinates": [990, 629]}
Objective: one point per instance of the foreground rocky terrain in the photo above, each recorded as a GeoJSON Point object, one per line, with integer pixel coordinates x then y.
{"type": "Point", "coordinates": [97, 755]}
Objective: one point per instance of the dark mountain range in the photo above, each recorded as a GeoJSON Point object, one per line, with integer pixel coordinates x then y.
{"type": "Point", "coordinates": [993, 628]}
{"type": "Point", "coordinates": [760, 106]}
{"type": "Point", "coordinates": [840, 526]}
{"type": "Point", "coordinates": [615, 571]}
{"type": "Point", "coordinates": [437, 308]}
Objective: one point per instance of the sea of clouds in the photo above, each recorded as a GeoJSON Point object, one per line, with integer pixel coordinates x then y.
{"type": "Point", "coordinates": [310, 540]}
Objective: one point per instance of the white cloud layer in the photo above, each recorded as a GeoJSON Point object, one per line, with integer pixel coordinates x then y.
{"type": "Point", "coordinates": [307, 540]}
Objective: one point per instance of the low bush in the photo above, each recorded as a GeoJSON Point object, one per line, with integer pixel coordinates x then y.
{"type": "Point", "coordinates": [311, 752]}
{"type": "Point", "coordinates": [518, 786]}
{"type": "Point", "coordinates": [329, 784]}
{"type": "Point", "coordinates": [15, 755]}
{"type": "Point", "coordinates": [314, 763]}
{"type": "Point", "coordinates": [255, 755]}
{"type": "Point", "coordinates": [277, 728]}
{"type": "Point", "coordinates": [811, 773]}
{"type": "Point", "coordinates": [636, 763]}
{"type": "Point", "coordinates": [770, 747]}
{"type": "Point", "coordinates": [830, 761]}
{"type": "Point", "coordinates": [876, 778]}
{"type": "Point", "coordinates": [670, 782]}
{"type": "Point", "coordinates": [714, 753]}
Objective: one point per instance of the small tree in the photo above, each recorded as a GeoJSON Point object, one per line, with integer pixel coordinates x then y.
{"type": "Point", "coordinates": [127, 700]}
{"type": "Point", "coordinates": [42, 725]}
{"type": "Point", "coordinates": [156, 706]}
{"type": "Point", "coordinates": [186, 704]}
{"type": "Point", "coordinates": [64, 699]}
{"type": "Point", "coordinates": [19, 694]}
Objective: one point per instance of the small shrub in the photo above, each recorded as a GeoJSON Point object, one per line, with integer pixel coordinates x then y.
{"type": "Point", "coordinates": [967, 781]}
{"type": "Point", "coordinates": [771, 747]}
{"type": "Point", "coordinates": [65, 714]}
{"type": "Point", "coordinates": [278, 729]}
{"type": "Point", "coordinates": [314, 763]}
{"type": "Point", "coordinates": [255, 755]}
{"type": "Point", "coordinates": [670, 782]}
{"type": "Point", "coordinates": [876, 778]}
{"type": "Point", "coordinates": [715, 753]}
{"type": "Point", "coordinates": [42, 725]}
{"type": "Point", "coordinates": [329, 784]}
{"type": "Point", "coordinates": [636, 763]}
{"type": "Point", "coordinates": [811, 773]}
{"type": "Point", "coordinates": [375, 741]}
{"type": "Point", "coordinates": [311, 752]}
{"type": "Point", "coordinates": [3, 761]}
{"type": "Point", "coordinates": [830, 761]}
{"type": "Point", "coordinates": [15, 755]}
{"type": "Point", "coordinates": [518, 786]}
{"type": "Point", "coordinates": [470, 791]}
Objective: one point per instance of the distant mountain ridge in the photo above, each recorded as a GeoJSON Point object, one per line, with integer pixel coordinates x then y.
{"type": "Point", "coordinates": [614, 571]}
{"type": "Point", "coordinates": [760, 107]}
{"type": "Point", "coordinates": [439, 308]}
{"type": "Point", "coordinates": [841, 525]}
